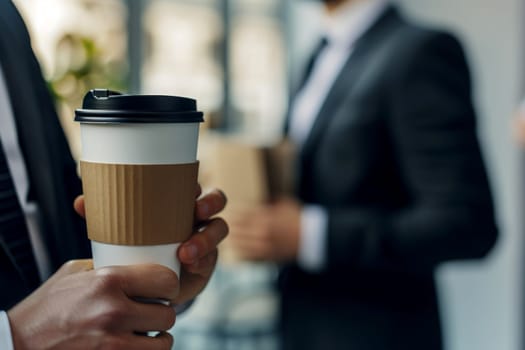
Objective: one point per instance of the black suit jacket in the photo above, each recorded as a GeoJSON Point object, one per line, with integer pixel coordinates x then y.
{"type": "Point", "coordinates": [51, 169]}
{"type": "Point", "coordinates": [394, 159]}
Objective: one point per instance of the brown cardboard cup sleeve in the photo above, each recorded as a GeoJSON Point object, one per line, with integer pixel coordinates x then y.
{"type": "Point", "coordinates": [130, 204]}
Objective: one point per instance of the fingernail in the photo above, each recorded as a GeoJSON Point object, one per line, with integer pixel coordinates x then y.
{"type": "Point", "coordinates": [191, 252]}
{"type": "Point", "coordinates": [224, 197]}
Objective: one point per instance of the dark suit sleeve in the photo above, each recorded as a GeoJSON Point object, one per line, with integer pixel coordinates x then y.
{"type": "Point", "coordinates": [432, 131]}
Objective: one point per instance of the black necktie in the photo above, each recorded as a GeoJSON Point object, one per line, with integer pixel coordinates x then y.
{"type": "Point", "coordinates": [14, 236]}
{"type": "Point", "coordinates": [308, 68]}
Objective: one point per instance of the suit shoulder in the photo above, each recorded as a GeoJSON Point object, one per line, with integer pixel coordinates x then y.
{"type": "Point", "coordinates": [417, 38]}
{"type": "Point", "coordinates": [413, 45]}
{"type": "Point", "coordinates": [397, 37]}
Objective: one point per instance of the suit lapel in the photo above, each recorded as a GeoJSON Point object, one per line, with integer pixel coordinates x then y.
{"type": "Point", "coordinates": [344, 83]}
{"type": "Point", "coordinates": [22, 74]}
{"type": "Point", "coordinates": [40, 135]}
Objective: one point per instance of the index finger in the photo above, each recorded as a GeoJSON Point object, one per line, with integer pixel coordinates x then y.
{"type": "Point", "coordinates": [150, 281]}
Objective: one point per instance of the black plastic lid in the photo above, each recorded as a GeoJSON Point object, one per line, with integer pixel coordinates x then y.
{"type": "Point", "coordinates": [106, 106]}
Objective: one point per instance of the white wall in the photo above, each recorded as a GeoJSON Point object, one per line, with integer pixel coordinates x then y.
{"type": "Point", "coordinates": [481, 301]}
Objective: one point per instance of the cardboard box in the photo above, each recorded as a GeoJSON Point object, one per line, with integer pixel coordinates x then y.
{"type": "Point", "coordinates": [250, 173]}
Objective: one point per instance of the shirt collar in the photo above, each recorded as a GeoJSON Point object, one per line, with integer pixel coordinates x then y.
{"type": "Point", "coordinates": [343, 28]}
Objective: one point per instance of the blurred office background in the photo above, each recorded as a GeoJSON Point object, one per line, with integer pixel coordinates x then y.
{"type": "Point", "coordinates": [238, 58]}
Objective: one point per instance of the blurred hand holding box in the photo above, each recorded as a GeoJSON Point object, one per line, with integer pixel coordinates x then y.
{"type": "Point", "coordinates": [250, 174]}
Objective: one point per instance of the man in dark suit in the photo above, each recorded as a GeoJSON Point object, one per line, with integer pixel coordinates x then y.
{"type": "Point", "coordinates": [391, 184]}
{"type": "Point", "coordinates": [40, 231]}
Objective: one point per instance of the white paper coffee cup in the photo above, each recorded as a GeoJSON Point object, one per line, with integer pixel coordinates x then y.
{"type": "Point", "coordinates": [138, 151]}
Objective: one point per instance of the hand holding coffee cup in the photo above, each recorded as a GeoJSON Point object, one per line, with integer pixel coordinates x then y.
{"type": "Point", "coordinates": [197, 255]}
{"type": "Point", "coordinates": [139, 173]}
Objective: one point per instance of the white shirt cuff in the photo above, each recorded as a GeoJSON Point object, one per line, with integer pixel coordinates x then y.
{"type": "Point", "coordinates": [6, 340]}
{"type": "Point", "coordinates": [312, 241]}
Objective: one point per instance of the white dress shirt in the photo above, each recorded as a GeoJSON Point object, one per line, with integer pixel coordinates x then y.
{"type": "Point", "coordinates": [342, 29]}
{"type": "Point", "coordinates": [6, 341]}
{"type": "Point", "coordinates": [17, 168]}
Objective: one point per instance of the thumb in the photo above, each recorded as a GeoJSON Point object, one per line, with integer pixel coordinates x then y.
{"type": "Point", "coordinates": [75, 266]}
{"type": "Point", "coordinates": [79, 206]}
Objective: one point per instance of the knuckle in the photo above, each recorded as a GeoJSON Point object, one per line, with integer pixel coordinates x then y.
{"type": "Point", "coordinates": [106, 279]}
{"type": "Point", "coordinates": [111, 315]}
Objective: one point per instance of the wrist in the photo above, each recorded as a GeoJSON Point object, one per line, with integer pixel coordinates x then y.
{"type": "Point", "coordinates": [15, 336]}
{"type": "Point", "coordinates": [19, 340]}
